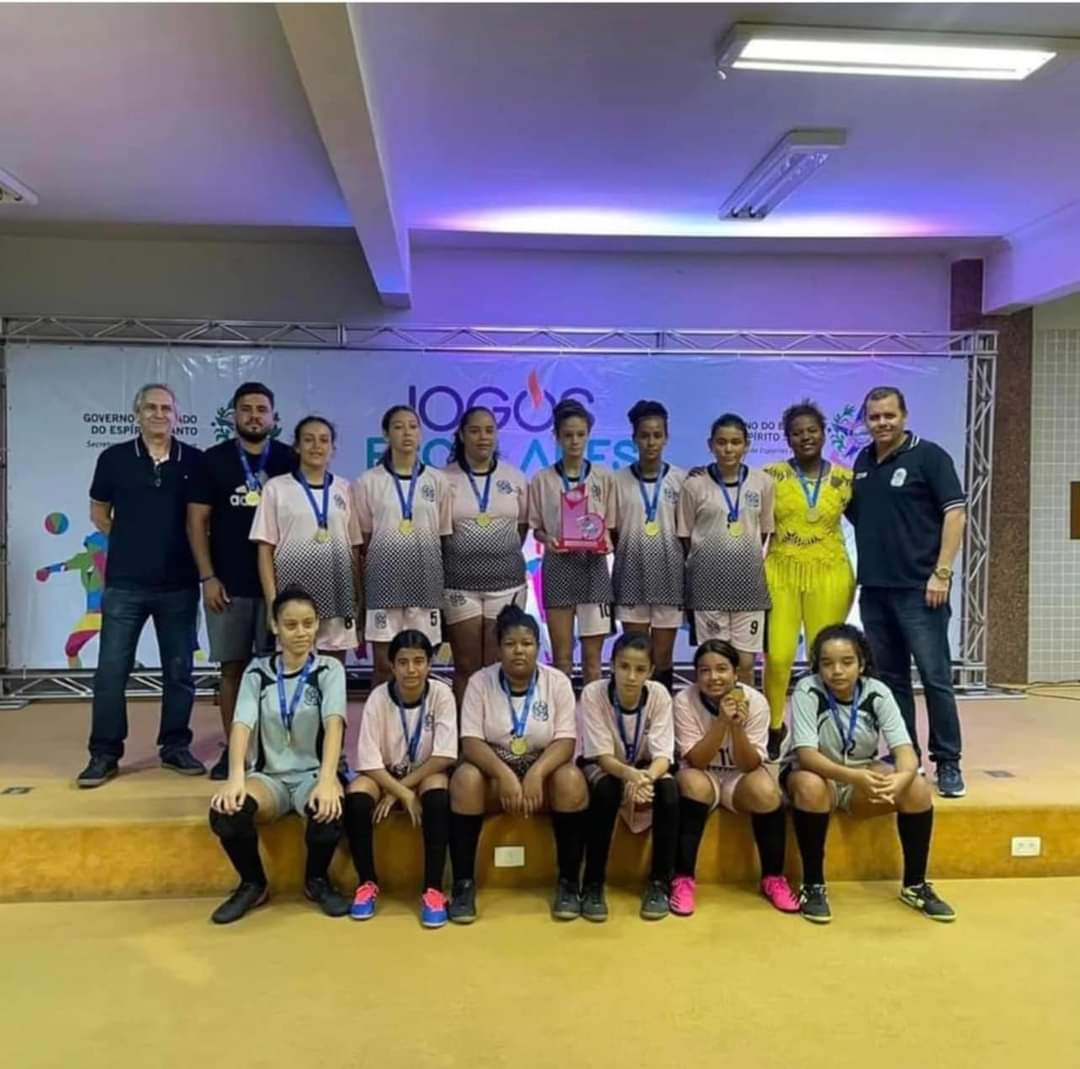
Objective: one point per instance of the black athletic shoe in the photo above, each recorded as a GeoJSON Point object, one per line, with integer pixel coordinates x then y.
{"type": "Point", "coordinates": [593, 904]}
{"type": "Point", "coordinates": [654, 902]}
{"type": "Point", "coordinates": [463, 902]}
{"type": "Point", "coordinates": [327, 897]}
{"type": "Point", "coordinates": [244, 899]}
{"type": "Point", "coordinates": [567, 903]}
{"type": "Point", "coordinates": [100, 770]}
{"type": "Point", "coordinates": [950, 780]}
{"type": "Point", "coordinates": [220, 771]}
{"type": "Point", "coordinates": [184, 762]}
{"type": "Point", "coordinates": [776, 741]}
{"type": "Point", "coordinates": [924, 898]}
{"type": "Point", "coordinates": [814, 903]}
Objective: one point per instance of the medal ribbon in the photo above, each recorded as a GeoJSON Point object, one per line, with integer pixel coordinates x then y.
{"type": "Point", "coordinates": [482, 499]}
{"type": "Point", "coordinates": [412, 739]}
{"type": "Point", "coordinates": [321, 518]}
{"type": "Point", "coordinates": [631, 748]}
{"type": "Point", "coordinates": [811, 498]}
{"type": "Point", "coordinates": [520, 723]}
{"type": "Point", "coordinates": [848, 740]}
{"type": "Point", "coordinates": [406, 502]}
{"type": "Point", "coordinates": [733, 509]}
{"type": "Point", "coordinates": [288, 710]}
{"type": "Point", "coordinates": [583, 478]}
{"type": "Point", "coordinates": [650, 507]}
{"type": "Point", "coordinates": [251, 475]}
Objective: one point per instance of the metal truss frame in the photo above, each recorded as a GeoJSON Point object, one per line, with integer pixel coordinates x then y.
{"type": "Point", "coordinates": [977, 347]}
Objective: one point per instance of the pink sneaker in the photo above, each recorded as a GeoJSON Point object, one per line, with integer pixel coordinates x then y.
{"type": "Point", "coordinates": [433, 908]}
{"type": "Point", "coordinates": [777, 890]}
{"type": "Point", "coordinates": [681, 901]}
{"type": "Point", "coordinates": [363, 906]}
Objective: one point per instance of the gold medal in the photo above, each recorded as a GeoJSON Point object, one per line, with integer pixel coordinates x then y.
{"type": "Point", "coordinates": [251, 498]}
{"type": "Point", "coordinates": [518, 746]}
{"type": "Point", "coordinates": [734, 528]}
{"type": "Point", "coordinates": [652, 528]}
{"type": "Point", "coordinates": [812, 514]}
{"type": "Point", "coordinates": [483, 520]}
{"type": "Point", "coordinates": [405, 527]}
{"type": "Point", "coordinates": [322, 535]}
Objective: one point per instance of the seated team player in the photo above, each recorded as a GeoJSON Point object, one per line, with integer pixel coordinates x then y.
{"type": "Point", "coordinates": [721, 735]}
{"type": "Point", "coordinates": [838, 715]}
{"type": "Point", "coordinates": [517, 744]}
{"type": "Point", "coordinates": [628, 741]}
{"type": "Point", "coordinates": [294, 702]}
{"type": "Point", "coordinates": [408, 742]}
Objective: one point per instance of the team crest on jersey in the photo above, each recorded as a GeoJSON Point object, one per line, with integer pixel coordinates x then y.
{"type": "Point", "coordinates": [595, 491]}
{"type": "Point", "coordinates": [712, 626]}
{"type": "Point", "coordinates": [899, 477]}
{"type": "Point", "coordinates": [380, 620]}
{"type": "Point", "coordinates": [427, 492]}
{"type": "Point", "coordinates": [339, 502]}
{"type": "Point", "coordinates": [504, 486]}
{"type": "Point", "coordinates": [429, 720]}
{"type": "Point", "coordinates": [311, 695]}
{"type": "Point", "coordinates": [540, 711]}
{"type": "Point", "coordinates": [457, 598]}
{"type": "Point", "coordinates": [752, 498]}
{"type": "Point", "coordinates": [671, 495]}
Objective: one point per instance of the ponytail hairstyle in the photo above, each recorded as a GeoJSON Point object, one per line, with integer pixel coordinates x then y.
{"type": "Point", "coordinates": [568, 408]}
{"type": "Point", "coordinates": [512, 617]}
{"type": "Point", "coordinates": [410, 639]}
{"type": "Point", "coordinates": [457, 450]}
{"type": "Point", "coordinates": [388, 416]}
{"type": "Point", "coordinates": [647, 410]}
{"type": "Point", "coordinates": [730, 419]}
{"type": "Point", "coordinates": [632, 640]}
{"type": "Point", "coordinates": [719, 646]}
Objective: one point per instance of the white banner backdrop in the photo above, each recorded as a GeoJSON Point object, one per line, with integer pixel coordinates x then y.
{"type": "Point", "coordinates": [66, 403]}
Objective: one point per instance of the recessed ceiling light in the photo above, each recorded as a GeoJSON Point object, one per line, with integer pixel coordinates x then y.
{"type": "Point", "coordinates": [893, 53]}
{"type": "Point", "coordinates": [798, 155]}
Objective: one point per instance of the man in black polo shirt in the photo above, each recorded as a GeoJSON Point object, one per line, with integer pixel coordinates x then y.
{"type": "Point", "coordinates": [139, 499]}
{"type": "Point", "coordinates": [909, 512]}
{"type": "Point", "coordinates": [220, 510]}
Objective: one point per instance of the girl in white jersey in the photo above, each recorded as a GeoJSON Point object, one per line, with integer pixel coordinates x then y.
{"type": "Point", "coordinates": [839, 715]}
{"type": "Point", "coordinates": [407, 746]}
{"type": "Point", "coordinates": [482, 560]}
{"type": "Point", "coordinates": [648, 575]}
{"type": "Point", "coordinates": [518, 736]}
{"type": "Point", "coordinates": [308, 536]}
{"type": "Point", "coordinates": [576, 583]}
{"type": "Point", "coordinates": [403, 508]}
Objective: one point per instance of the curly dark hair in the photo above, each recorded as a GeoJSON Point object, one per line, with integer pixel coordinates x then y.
{"type": "Point", "coordinates": [805, 407]}
{"type": "Point", "coordinates": [843, 633]}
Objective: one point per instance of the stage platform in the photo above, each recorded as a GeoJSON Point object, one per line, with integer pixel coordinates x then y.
{"type": "Point", "coordinates": [145, 833]}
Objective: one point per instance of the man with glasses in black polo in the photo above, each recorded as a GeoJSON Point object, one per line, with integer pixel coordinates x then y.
{"type": "Point", "coordinates": [139, 499]}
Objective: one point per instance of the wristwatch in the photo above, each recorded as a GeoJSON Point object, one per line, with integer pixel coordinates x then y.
{"type": "Point", "coordinates": [941, 572]}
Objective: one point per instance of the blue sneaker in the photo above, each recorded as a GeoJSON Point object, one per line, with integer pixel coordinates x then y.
{"type": "Point", "coordinates": [433, 912]}
{"type": "Point", "coordinates": [950, 781]}
{"type": "Point", "coordinates": [363, 904]}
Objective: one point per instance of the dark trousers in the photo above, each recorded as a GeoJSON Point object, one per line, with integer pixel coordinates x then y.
{"type": "Point", "coordinates": [123, 616]}
{"type": "Point", "coordinates": [900, 626]}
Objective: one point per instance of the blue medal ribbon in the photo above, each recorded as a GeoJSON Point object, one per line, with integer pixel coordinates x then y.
{"type": "Point", "coordinates": [846, 741]}
{"type": "Point", "coordinates": [631, 748]}
{"type": "Point", "coordinates": [322, 518]}
{"type": "Point", "coordinates": [412, 739]}
{"type": "Point", "coordinates": [519, 723]}
{"type": "Point", "coordinates": [482, 499]}
{"type": "Point", "coordinates": [811, 498]}
{"type": "Point", "coordinates": [586, 469]}
{"type": "Point", "coordinates": [288, 709]}
{"type": "Point", "coordinates": [733, 508]}
{"type": "Point", "coordinates": [406, 501]}
{"type": "Point", "coordinates": [251, 475]}
{"type": "Point", "coordinates": [651, 507]}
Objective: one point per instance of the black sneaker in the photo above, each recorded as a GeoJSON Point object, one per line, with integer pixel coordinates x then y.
{"type": "Point", "coordinates": [220, 771]}
{"type": "Point", "coordinates": [654, 902]}
{"type": "Point", "coordinates": [776, 741]}
{"type": "Point", "coordinates": [463, 902]}
{"type": "Point", "coordinates": [814, 903]}
{"type": "Point", "coordinates": [244, 899]}
{"type": "Point", "coordinates": [327, 897]}
{"type": "Point", "coordinates": [950, 780]}
{"type": "Point", "coordinates": [593, 904]}
{"type": "Point", "coordinates": [924, 898]}
{"type": "Point", "coordinates": [100, 770]}
{"type": "Point", "coordinates": [184, 762]}
{"type": "Point", "coordinates": [567, 903]}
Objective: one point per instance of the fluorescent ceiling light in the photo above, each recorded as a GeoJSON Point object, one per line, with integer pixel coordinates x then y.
{"type": "Point", "coordinates": [749, 46]}
{"type": "Point", "coordinates": [798, 155]}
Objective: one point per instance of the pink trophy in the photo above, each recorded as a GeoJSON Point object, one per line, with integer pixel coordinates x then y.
{"type": "Point", "coordinates": [581, 529]}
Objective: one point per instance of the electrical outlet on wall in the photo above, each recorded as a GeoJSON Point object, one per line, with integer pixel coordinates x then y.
{"type": "Point", "coordinates": [509, 857]}
{"type": "Point", "coordinates": [1026, 846]}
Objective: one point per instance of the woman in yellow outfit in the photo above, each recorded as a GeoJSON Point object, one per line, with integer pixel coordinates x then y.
{"type": "Point", "coordinates": [807, 568]}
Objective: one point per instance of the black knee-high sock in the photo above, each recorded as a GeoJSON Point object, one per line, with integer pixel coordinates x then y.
{"type": "Point", "coordinates": [321, 838]}
{"type": "Point", "coordinates": [240, 840]}
{"type": "Point", "coordinates": [769, 832]}
{"type": "Point", "coordinates": [569, 844]}
{"type": "Point", "coordinates": [606, 794]}
{"type": "Point", "coordinates": [915, 829]}
{"type": "Point", "coordinates": [810, 832]}
{"type": "Point", "coordinates": [665, 829]}
{"type": "Point", "coordinates": [435, 812]}
{"type": "Point", "coordinates": [666, 676]}
{"type": "Point", "coordinates": [358, 811]}
{"type": "Point", "coordinates": [692, 817]}
{"type": "Point", "coordinates": [464, 837]}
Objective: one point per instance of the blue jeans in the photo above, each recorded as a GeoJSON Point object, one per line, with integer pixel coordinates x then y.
{"type": "Point", "coordinates": [123, 615]}
{"type": "Point", "coordinates": [900, 625]}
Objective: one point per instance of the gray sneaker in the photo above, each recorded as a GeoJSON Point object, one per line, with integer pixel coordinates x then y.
{"type": "Point", "coordinates": [654, 902]}
{"type": "Point", "coordinates": [593, 905]}
{"type": "Point", "coordinates": [950, 781]}
{"type": "Point", "coordinates": [567, 904]}
{"type": "Point", "coordinates": [462, 909]}
{"type": "Point", "coordinates": [924, 898]}
{"type": "Point", "coordinates": [814, 903]}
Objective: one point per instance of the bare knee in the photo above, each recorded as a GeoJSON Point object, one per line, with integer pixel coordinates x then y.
{"type": "Point", "coordinates": [809, 792]}
{"type": "Point", "coordinates": [695, 785]}
{"type": "Point", "coordinates": [569, 791]}
{"type": "Point", "coordinates": [438, 781]}
{"type": "Point", "coordinates": [757, 792]}
{"type": "Point", "coordinates": [917, 797]}
{"type": "Point", "coordinates": [364, 785]}
{"type": "Point", "coordinates": [467, 788]}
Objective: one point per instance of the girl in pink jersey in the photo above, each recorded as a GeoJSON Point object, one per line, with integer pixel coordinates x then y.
{"type": "Point", "coordinates": [518, 735]}
{"type": "Point", "coordinates": [308, 536]}
{"type": "Point", "coordinates": [721, 738]}
{"type": "Point", "coordinates": [407, 746]}
{"type": "Point", "coordinates": [403, 508]}
{"type": "Point", "coordinates": [628, 744]}
{"type": "Point", "coordinates": [482, 560]}
{"type": "Point", "coordinates": [576, 583]}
